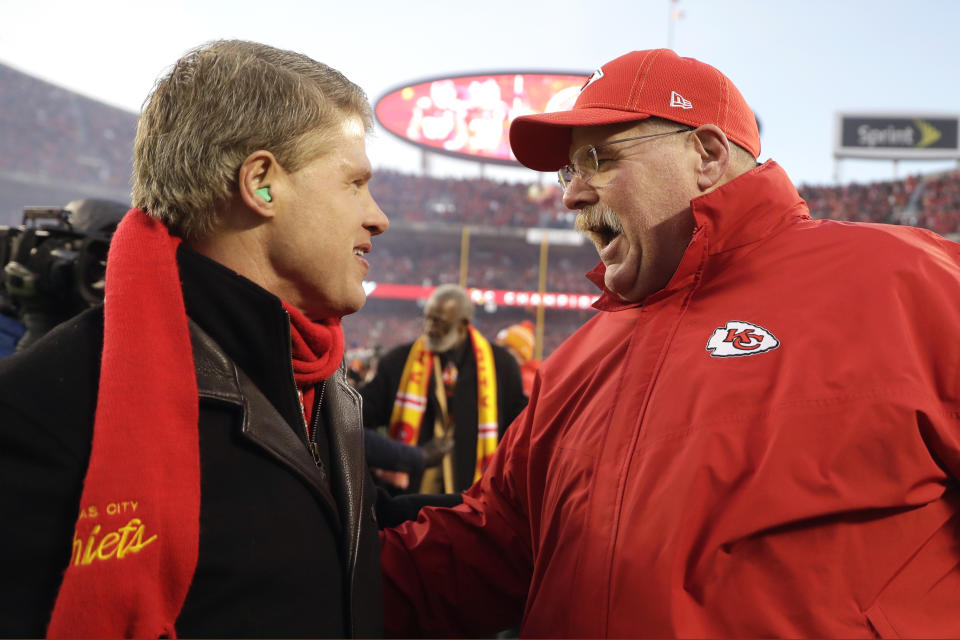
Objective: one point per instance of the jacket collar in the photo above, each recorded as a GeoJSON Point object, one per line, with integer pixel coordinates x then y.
{"type": "Point", "coordinates": [745, 210]}
{"type": "Point", "coordinates": [218, 378]}
{"type": "Point", "coordinates": [247, 363]}
{"type": "Point", "coordinates": [248, 322]}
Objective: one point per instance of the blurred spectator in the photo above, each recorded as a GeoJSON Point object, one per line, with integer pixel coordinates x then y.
{"type": "Point", "coordinates": [519, 340]}
{"type": "Point", "coordinates": [449, 383]}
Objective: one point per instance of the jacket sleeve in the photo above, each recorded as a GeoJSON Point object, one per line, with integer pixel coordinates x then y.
{"type": "Point", "coordinates": [392, 455]}
{"type": "Point", "coordinates": [47, 400]}
{"type": "Point", "coordinates": [395, 510]}
{"type": "Point", "coordinates": [464, 571]}
{"type": "Point", "coordinates": [378, 394]}
{"type": "Point", "coordinates": [933, 335]}
{"type": "Point", "coordinates": [40, 484]}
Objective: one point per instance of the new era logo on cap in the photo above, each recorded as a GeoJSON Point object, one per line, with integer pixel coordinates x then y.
{"type": "Point", "coordinates": [677, 100]}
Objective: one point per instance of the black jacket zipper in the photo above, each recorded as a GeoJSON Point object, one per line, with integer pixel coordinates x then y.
{"type": "Point", "coordinates": [309, 434]}
{"type": "Point", "coordinates": [312, 433]}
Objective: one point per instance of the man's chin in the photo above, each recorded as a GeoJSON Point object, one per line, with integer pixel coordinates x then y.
{"type": "Point", "coordinates": [626, 294]}
{"type": "Point", "coordinates": [344, 307]}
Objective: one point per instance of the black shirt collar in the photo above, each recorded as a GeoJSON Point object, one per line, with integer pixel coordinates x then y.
{"type": "Point", "coordinates": [247, 321]}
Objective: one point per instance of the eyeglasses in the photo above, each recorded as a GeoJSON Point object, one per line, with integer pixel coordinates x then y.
{"type": "Point", "coordinates": [586, 163]}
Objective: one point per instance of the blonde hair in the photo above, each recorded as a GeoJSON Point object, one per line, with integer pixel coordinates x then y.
{"type": "Point", "coordinates": [221, 102]}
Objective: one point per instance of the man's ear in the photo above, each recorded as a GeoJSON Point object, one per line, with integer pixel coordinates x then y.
{"type": "Point", "coordinates": [254, 179]}
{"type": "Point", "coordinates": [714, 151]}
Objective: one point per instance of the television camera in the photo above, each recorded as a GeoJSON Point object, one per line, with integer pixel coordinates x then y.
{"type": "Point", "coordinates": [54, 263]}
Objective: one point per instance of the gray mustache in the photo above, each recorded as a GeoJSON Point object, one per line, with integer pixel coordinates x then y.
{"type": "Point", "coordinates": [598, 217]}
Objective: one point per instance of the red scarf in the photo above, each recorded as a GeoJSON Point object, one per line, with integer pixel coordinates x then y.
{"type": "Point", "coordinates": [317, 349]}
{"type": "Point", "coordinates": [136, 539]}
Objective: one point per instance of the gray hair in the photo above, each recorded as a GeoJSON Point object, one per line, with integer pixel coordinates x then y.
{"type": "Point", "coordinates": [221, 102]}
{"type": "Point", "coordinates": [456, 293]}
{"type": "Point", "coordinates": [739, 157]}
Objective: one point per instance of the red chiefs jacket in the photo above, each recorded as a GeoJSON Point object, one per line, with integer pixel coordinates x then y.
{"type": "Point", "coordinates": [769, 446]}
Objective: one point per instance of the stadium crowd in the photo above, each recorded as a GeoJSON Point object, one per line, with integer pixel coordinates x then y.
{"type": "Point", "coordinates": [940, 203]}
{"type": "Point", "coordinates": [473, 201]}
{"type": "Point", "coordinates": [873, 202]}
{"type": "Point", "coordinates": [54, 133]}
{"type": "Point", "coordinates": [513, 267]}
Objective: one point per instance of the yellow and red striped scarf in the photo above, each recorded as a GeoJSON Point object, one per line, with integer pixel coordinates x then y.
{"type": "Point", "coordinates": [411, 401]}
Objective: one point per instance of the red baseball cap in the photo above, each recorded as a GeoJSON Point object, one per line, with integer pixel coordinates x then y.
{"type": "Point", "coordinates": [640, 84]}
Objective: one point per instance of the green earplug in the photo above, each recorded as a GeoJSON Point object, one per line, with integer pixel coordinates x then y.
{"type": "Point", "coordinates": [264, 192]}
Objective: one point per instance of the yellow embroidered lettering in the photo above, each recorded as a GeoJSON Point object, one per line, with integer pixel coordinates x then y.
{"type": "Point", "coordinates": [125, 532]}
{"type": "Point", "coordinates": [77, 548]}
{"type": "Point", "coordinates": [107, 546]}
{"type": "Point", "coordinates": [88, 554]}
{"type": "Point", "coordinates": [116, 508]}
{"type": "Point", "coordinates": [127, 539]}
{"type": "Point", "coordinates": [89, 512]}
{"type": "Point", "coordinates": [138, 543]}
{"type": "Point", "coordinates": [134, 543]}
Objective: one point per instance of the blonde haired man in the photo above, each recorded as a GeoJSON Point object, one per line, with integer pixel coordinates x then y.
{"type": "Point", "coordinates": [212, 446]}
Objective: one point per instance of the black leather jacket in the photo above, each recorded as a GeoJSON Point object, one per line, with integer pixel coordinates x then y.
{"type": "Point", "coordinates": [286, 549]}
{"type": "Point", "coordinates": [219, 379]}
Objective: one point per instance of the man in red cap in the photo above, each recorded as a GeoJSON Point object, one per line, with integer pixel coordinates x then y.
{"type": "Point", "coordinates": [757, 435]}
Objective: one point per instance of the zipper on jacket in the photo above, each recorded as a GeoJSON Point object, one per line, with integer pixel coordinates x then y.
{"type": "Point", "coordinates": [310, 435]}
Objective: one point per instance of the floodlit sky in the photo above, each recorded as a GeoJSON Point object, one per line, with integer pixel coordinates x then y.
{"type": "Point", "coordinates": [797, 62]}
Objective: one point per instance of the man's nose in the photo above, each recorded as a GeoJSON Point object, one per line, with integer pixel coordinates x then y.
{"type": "Point", "coordinates": [377, 221]}
{"type": "Point", "coordinates": [579, 194]}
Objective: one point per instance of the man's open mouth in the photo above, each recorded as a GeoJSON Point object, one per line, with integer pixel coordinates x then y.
{"type": "Point", "coordinates": [600, 224]}
{"type": "Point", "coordinates": [602, 235]}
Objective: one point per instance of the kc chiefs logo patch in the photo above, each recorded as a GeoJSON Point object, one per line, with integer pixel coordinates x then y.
{"type": "Point", "coordinates": [740, 339]}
